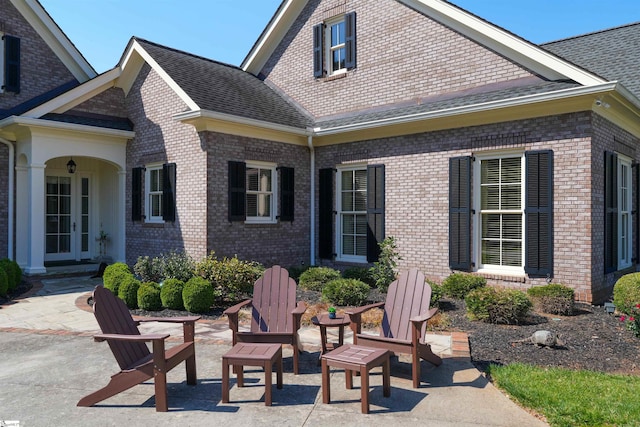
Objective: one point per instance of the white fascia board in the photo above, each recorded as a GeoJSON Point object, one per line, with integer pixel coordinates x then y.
{"type": "Point", "coordinates": [272, 36]}
{"type": "Point", "coordinates": [505, 43]}
{"type": "Point", "coordinates": [76, 96]}
{"type": "Point", "coordinates": [208, 114]}
{"type": "Point", "coordinates": [129, 65]}
{"type": "Point", "coordinates": [70, 56]}
{"type": "Point", "coordinates": [71, 127]}
{"type": "Point", "coordinates": [468, 109]}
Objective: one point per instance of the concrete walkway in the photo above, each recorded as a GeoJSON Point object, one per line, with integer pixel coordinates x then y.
{"type": "Point", "coordinates": [48, 362]}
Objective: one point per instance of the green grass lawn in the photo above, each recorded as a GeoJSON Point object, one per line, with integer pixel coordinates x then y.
{"type": "Point", "coordinates": [572, 398]}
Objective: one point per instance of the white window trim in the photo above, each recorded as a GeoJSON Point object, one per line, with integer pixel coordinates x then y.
{"type": "Point", "coordinates": [274, 193]}
{"type": "Point", "coordinates": [327, 45]}
{"type": "Point", "coordinates": [624, 263]}
{"type": "Point", "coordinates": [148, 218]}
{"type": "Point", "coordinates": [338, 238]}
{"type": "Point", "coordinates": [477, 226]}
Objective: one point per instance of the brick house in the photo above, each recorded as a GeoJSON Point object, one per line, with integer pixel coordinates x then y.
{"type": "Point", "coordinates": [348, 121]}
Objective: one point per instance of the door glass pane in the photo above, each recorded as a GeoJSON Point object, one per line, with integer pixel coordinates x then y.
{"type": "Point", "coordinates": [52, 204]}
{"type": "Point", "coordinates": [65, 186]}
{"type": "Point", "coordinates": [65, 244]}
{"type": "Point", "coordinates": [52, 224]}
{"type": "Point", "coordinates": [52, 244]}
{"type": "Point", "coordinates": [65, 205]}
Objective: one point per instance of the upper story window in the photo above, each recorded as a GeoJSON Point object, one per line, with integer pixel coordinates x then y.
{"type": "Point", "coordinates": [9, 63]}
{"type": "Point", "coordinates": [334, 45]}
{"type": "Point", "coordinates": [261, 192]}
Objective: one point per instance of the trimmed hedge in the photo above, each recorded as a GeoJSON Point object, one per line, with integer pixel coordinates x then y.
{"type": "Point", "coordinates": [4, 283]}
{"type": "Point", "coordinates": [198, 295]}
{"type": "Point", "coordinates": [171, 294]}
{"type": "Point", "coordinates": [149, 297]}
{"type": "Point", "coordinates": [553, 298]}
{"type": "Point", "coordinates": [458, 285]}
{"type": "Point", "coordinates": [7, 268]}
{"type": "Point", "coordinates": [503, 306]}
{"type": "Point", "coordinates": [346, 292]}
{"type": "Point", "coordinates": [128, 291]}
{"type": "Point", "coordinates": [626, 293]}
{"type": "Point", "coordinates": [114, 274]}
{"type": "Point", "coordinates": [315, 278]}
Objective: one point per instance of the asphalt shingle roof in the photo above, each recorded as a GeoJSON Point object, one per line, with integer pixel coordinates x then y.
{"type": "Point", "coordinates": [613, 54]}
{"type": "Point", "coordinates": [224, 88]}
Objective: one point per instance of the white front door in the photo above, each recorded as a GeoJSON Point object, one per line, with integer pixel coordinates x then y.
{"type": "Point", "coordinates": [67, 217]}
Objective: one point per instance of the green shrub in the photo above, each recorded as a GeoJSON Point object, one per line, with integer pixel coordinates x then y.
{"type": "Point", "coordinates": [626, 293]}
{"type": "Point", "coordinates": [128, 291]}
{"type": "Point", "coordinates": [178, 265]}
{"type": "Point", "coordinates": [4, 283]}
{"type": "Point", "coordinates": [361, 273]}
{"type": "Point", "coordinates": [384, 271]}
{"type": "Point", "coordinates": [503, 306]}
{"type": "Point", "coordinates": [171, 294]}
{"type": "Point", "coordinates": [198, 295]}
{"type": "Point", "coordinates": [436, 293]}
{"type": "Point", "coordinates": [458, 285]}
{"type": "Point", "coordinates": [296, 270]}
{"type": "Point", "coordinates": [5, 265]}
{"type": "Point", "coordinates": [315, 278]}
{"type": "Point", "coordinates": [17, 274]}
{"type": "Point", "coordinates": [345, 292]}
{"type": "Point", "coordinates": [149, 297]}
{"type": "Point", "coordinates": [148, 269]}
{"type": "Point", "coordinates": [553, 298]}
{"type": "Point", "coordinates": [231, 278]}
{"type": "Point", "coordinates": [114, 274]}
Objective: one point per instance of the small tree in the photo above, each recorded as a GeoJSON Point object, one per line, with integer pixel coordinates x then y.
{"type": "Point", "coordinates": [384, 271]}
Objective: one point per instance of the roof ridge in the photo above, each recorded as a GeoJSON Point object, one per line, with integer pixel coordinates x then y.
{"type": "Point", "coordinates": [619, 27]}
{"type": "Point", "coordinates": [140, 39]}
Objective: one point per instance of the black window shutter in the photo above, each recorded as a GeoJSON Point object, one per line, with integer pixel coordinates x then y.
{"type": "Point", "coordinates": [11, 64]}
{"type": "Point", "coordinates": [287, 187]}
{"type": "Point", "coordinates": [169, 192]}
{"type": "Point", "coordinates": [136, 194]}
{"type": "Point", "coordinates": [611, 212]}
{"type": "Point", "coordinates": [375, 211]}
{"type": "Point", "coordinates": [350, 40]}
{"type": "Point", "coordinates": [538, 213]}
{"type": "Point", "coordinates": [318, 36]}
{"type": "Point", "coordinates": [325, 214]}
{"type": "Point", "coordinates": [237, 191]}
{"type": "Point", "coordinates": [460, 213]}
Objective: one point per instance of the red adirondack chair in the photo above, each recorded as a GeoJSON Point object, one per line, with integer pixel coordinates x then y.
{"type": "Point", "coordinates": [275, 316]}
{"type": "Point", "coordinates": [128, 346]}
{"type": "Point", "coordinates": [404, 324]}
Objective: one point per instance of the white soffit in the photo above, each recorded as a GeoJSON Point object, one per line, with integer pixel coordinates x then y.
{"type": "Point", "coordinates": [40, 20]}
{"type": "Point", "coordinates": [505, 43]}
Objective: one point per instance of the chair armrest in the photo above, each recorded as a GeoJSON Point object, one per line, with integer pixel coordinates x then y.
{"type": "Point", "coordinates": [300, 309]}
{"type": "Point", "coordinates": [359, 310]}
{"type": "Point", "coordinates": [232, 316]}
{"type": "Point", "coordinates": [236, 308]}
{"type": "Point", "coordinates": [355, 315]}
{"type": "Point", "coordinates": [421, 318]}
{"type": "Point", "coordinates": [182, 319]}
{"type": "Point", "coordinates": [141, 338]}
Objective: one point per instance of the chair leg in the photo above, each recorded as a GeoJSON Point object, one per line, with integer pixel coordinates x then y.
{"type": "Point", "coordinates": [415, 368]}
{"type": "Point", "coordinates": [190, 365]}
{"type": "Point", "coordinates": [160, 383]}
{"type": "Point", "coordinates": [119, 382]}
{"type": "Point", "coordinates": [296, 357]}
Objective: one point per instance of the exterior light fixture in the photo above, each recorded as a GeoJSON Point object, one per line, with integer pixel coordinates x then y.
{"type": "Point", "coordinates": [71, 166]}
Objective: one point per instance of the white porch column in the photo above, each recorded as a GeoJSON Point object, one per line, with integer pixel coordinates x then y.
{"type": "Point", "coordinates": [35, 264]}
{"type": "Point", "coordinates": [121, 255]}
{"type": "Point", "coordinates": [22, 216]}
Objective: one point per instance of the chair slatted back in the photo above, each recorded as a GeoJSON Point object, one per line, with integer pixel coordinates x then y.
{"type": "Point", "coordinates": [274, 298]}
{"type": "Point", "coordinates": [113, 317]}
{"type": "Point", "coordinates": [407, 297]}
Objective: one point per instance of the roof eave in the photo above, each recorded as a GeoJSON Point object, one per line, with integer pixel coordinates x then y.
{"type": "Point", "coordinates": [28, 122]}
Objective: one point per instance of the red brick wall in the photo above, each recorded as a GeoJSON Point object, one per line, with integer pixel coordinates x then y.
{"type": "Point", "coordinates": [403, 56]}
{"type": "Point", "coordinates": [159, 138]}
{"type": "Point", "coordinates": [40, 68]}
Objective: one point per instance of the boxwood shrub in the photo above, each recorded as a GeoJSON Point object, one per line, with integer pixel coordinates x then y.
{"type": "Point", "coordinates": [171, 294]}
{"type": "Point", "coordinates": [232, 279]}
{"type": "Point", "coordinates": [9, 271]}
{"type": "Point", "coordinates": [345, 292]}
{"type": "Point", "coordinates": [198, 295]}
{"type": "Point", "coordinates": [436, 293]}
{"type": "Point", "coordinates": [114, 274]}
{"type": "Point", "coordinates": [626, 293]}
{"type": "Point", "coordinates": [503, 306]}
{"type": "Point", "coordinates": [4, 283]}
{"type": "Point", "coordinates": [458, 285]}
{"type": "Point", "coordinates": [553, 298]}
{"type": "Point", "coordinates": [361, 273]}
{"type": "Point", "coordinates": [149, 297]}
{"type": "Point", "coordinates": [128, 291]}
{"type": "Point", "coordinates": [315, 278]}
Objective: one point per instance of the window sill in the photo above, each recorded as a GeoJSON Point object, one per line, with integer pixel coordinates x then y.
{"type": "Point", "coordinates": [333, 77]}
{"type": "Point", "coordinates": [503, 276]}
{"type": "Point", "coordinates": [153, 224]}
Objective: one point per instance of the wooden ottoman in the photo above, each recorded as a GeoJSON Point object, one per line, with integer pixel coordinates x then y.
{"type": "Point", "coordinates": [252, 354]}
{"type": "Point", "coordinates": [360, 359]}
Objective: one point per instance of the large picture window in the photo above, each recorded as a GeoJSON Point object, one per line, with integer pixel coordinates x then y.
{"type": "Point", "coordinates": [352, 214]}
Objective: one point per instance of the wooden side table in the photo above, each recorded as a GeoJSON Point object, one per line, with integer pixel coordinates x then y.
{"type": "Point", "coordinates": [324, 322]}
{"type": "Point", "coordinates": [359, 359]}
{"type": "Point", "coordinates": [252, 354]}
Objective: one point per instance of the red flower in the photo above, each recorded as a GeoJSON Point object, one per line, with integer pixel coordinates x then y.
{"type": "Point", "coordinates": [632, 319]}
{"type": "Point", "coordinates": [623, 318]}
{"type": "Point", "coordinates": [637, 305]}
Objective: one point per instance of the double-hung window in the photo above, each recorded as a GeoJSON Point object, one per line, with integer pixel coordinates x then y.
{"type": "Point", "coordinates": [334, 45]}
{"type": "Point", "coordinates": [625, 203]}
{"type": "Point", "coordinates": [336, 48]}
{"type": "Point", "coordinates": [261, 192]}
{"type": "Point", "coordinates": [351, 230]}
{"type": "Point", "coordinates": [153, 191]}
{"type": "Point", "coordinates": [500, 204]}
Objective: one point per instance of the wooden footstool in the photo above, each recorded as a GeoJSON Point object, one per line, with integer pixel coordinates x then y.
{"type": "Point", "coordinates": [360, 359]}
{"type": "Point", "coordinates": [250, 354]}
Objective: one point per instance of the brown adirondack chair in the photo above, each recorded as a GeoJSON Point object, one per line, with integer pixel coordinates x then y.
{"type": "Point", "coordinates": [275, 316]}
{"type": "Point", "coordinates": [406, 312]}
{"type": "Point", "coordinates": [128, 346]}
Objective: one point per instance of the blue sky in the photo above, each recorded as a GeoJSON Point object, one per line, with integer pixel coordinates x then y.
{"type": "Point", "coordinates": [225, 30]}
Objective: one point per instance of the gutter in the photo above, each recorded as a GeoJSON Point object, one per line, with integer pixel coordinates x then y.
{"type": "Point", "coordinates": [10, 196]}
{"type": "Point", "coordinates": [208, 114]}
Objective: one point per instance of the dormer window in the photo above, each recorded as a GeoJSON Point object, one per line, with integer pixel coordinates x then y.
{"type": "Point", "coordinates": [334, 45]}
